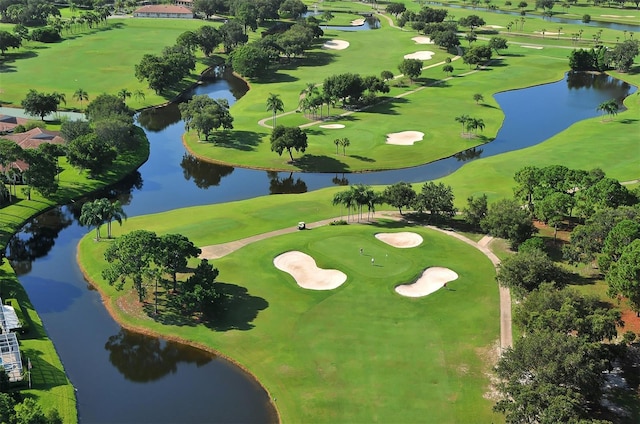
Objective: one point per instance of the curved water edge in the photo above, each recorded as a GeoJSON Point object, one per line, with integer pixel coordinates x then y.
{"type": "Point", "coordinates": [57, 289]}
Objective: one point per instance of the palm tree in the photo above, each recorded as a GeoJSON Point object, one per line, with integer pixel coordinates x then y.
{"type": "Point", "coordinates": [124, 94]}
{"type": "Point", "coordinates": [275, 103]}
{"type": "Point", "coordinates": [345, 143]}
{"type": "Point", "coordinates": [112, 212]}
{"type": "Point", "coordinates": [338, 198]}
{"type": "Point", "coordinates": [139, 95]}
{"type": "Point", "coordinates": [60, 97]}
{"type": "Point", "coordinates": [337, 142]}
{"type": "Point", "coordinates": [81, 95]}
{"type": "Point", "coordinates": [610, 107]}
{"type": "Point", "coordinates": [463, 119]}
{"type": "Point", "coordinates": [478, 98]}
{"type": "Point", "coordinates": [91, 216]}
{"type": "Point", "coordinates": [479, 125]}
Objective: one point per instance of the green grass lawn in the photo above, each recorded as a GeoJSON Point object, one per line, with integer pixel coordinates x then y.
{"type": "Point", "coordinates": [359, 353]}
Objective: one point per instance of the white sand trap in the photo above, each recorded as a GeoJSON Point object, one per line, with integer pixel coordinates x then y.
{"type": "Point", "coordinates": [404, 138]}
{"type": "Point", "coordinates": [421, 55]}
{"type": "Point", "coordinates": [617, 16]}
{"type": "Point", "coordinates": [304, 270]}
{"type": "Point", "coordinates": [332, 126]}
{"type": "Point", "coordinates": [494, 26]}
{"type": "Point", "coordinates": [422, 40]}
{"type": "Point", "coordinates": [533, 47]}
{"type": "Point", "coordinates": [549, 33]}
{"type": "Point", "coordinates": [402, 240]}
{"type": "Point", "coordinates": [335, 45]}
{"type": "Point", "coordinates": [431, 280]}
{"type": "Point", "coordinates": [357, 22]}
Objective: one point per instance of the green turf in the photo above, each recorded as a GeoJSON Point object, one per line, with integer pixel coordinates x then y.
{"type": "Point", "coordinates": [359, 353]}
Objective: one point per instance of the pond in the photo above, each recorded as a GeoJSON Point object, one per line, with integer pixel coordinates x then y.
{"type": "Point", "coordinates": [123, 377]}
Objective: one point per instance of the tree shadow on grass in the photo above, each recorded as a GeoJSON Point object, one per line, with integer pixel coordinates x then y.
{"type": "Point", "coordinates": [628, 121]}
{"type": "Point", "coordinates": [237, 309]}
{"type": "Point", "coordinates": [387, 107]}
{"type": "Point", "coordinates": [362, 158]}
{"type": "Point", "coordinates": [239, 140]}
{"type": "Point", "coordinates": [311, 59]}
{"type": "Point", "coordinates": [277, 77]}
{"type": "Point", "coordinates": [44, 376]}
{"type": "Point", "coordinates": [6, 64]}
{"type": "Point", "coordinates": [320, 163]}
{"type": "Point", "coordinates": [432, 82]}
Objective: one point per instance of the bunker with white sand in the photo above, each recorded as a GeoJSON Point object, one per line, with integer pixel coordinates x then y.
{"type": "Point", "coordinates": [431, 280]}
{"type": "Point", "coordinates": [404, 138]}
{"type": "Point", "coordinates": [307, 274]}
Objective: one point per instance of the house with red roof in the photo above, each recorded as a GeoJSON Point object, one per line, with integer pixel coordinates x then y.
{"type": "Point", "coordinates": [8, 123]}
{"type": "Point", "coordinates": [30, 140]}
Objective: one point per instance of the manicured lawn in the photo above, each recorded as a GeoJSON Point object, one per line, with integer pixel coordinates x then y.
{"type": "Point", "coordinates": [359, 353]}
{"type": "Point", "coordinates": [95, 60]}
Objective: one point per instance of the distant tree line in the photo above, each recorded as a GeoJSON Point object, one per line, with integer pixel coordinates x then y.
{"type": "Point", "coordinates": [601, 58]}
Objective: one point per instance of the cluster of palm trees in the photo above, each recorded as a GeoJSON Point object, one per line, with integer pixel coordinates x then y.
{"type": "Point", "coordinates": [89, 18]}
{"type": "Point", "coordinates": [610, 107]}
{"type": "Point", "coordinates": [99, 212]}
{"type": "Point", "coordinates": [470, 124]}
{"type": "Point", "coordinates": [82, 96]}
{"type": "Point", "coordinates": [312, 100]}
{"type": "Point", "coordinates": [358, 197]}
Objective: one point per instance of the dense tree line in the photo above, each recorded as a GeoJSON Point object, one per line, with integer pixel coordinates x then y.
{"type": "Point", "coordinates": [93, 145]}
{"type": "Point", "coordinates": [600, 58]}
{"type": "Point", "coordinates": [145, 258]}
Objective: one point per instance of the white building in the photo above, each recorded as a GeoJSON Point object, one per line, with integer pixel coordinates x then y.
{"type": "Point", "coordinates": [163, 11]}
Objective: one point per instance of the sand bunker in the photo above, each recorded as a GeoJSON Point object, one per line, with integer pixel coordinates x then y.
{"type": "Point", "coordinates": [335, 45]}
{"type": "Point", "coordinates": [421, 55]}
{"type": "Point", "coordinates": [431, 280]}
{"type": "Point", "coordinates": [357, 22]}
{"type": "Point", "coordinates": [404, 138]}
{"type": "Point", "coordinates": [332, 126]}
{"type": "Point", "coordinates": [549, 33]}
{"type": "Point", "coordinates": [533, 47]}
{"type": "Point", "coordinates": [304, 270]}
{"type": "Point", "coordinates": [494, 26]}
{"type": "Point", "coordinates": [402, 240]}
{"type": "Point", "coordinates": [422, 40]}
{"type": "Point", "coordinates": [617, 16]}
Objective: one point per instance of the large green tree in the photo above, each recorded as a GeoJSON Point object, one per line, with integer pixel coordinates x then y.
{"type": "Point", "coordinates": [623, 54]}
{"type": "Point", "coordinates": [174, 251]}
{"type": "Point", "coordinates": [399, 195]}
{"type": "Point", "coordinates": [411, 68]}
{"type": "Point", "coordinates": [205, 114]}
{"type": "Point", "coordinates": [250, 60]}
{"type": "Point", "coordinates": [88, 152]}
{"type": "Point", "coordinates": [8, 41]}
{"type": "Point", "coordinates": [288, 138]}
{"type": "Point", "coordinates": [41, 104]}
{"type": "Point", "coordinates": [131, 256]}
{"type": "Point", "coordinates": [507, 219]}
{"type": "Point", "coordinates": [437, 199]}
{"type": "Point", "coordinates": [527, 270]}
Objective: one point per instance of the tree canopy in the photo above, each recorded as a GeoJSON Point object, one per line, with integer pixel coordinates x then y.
{"type": "Point", "coordinates": [288, 138]}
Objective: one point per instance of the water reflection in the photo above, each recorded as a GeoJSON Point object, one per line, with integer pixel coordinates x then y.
{"type": "Point", "coordinates": [204, 174]}
{"type": "Point", "coordinates": [142, 358]}
{"type": "Point", "coordinates": [469, 154]}
{"type": "Point", "coordinates": [370, 22]}
{"type": "Point", "coordinates": [340, 180]}
{"type": "Point", "coordinates": [219, 83]}
{"type": "Point", "coordinates": [605, 84]}
{"type": "Point", "coordinates": [36, 238]}
{"type": "Point", "coordinates": [285, 185]}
